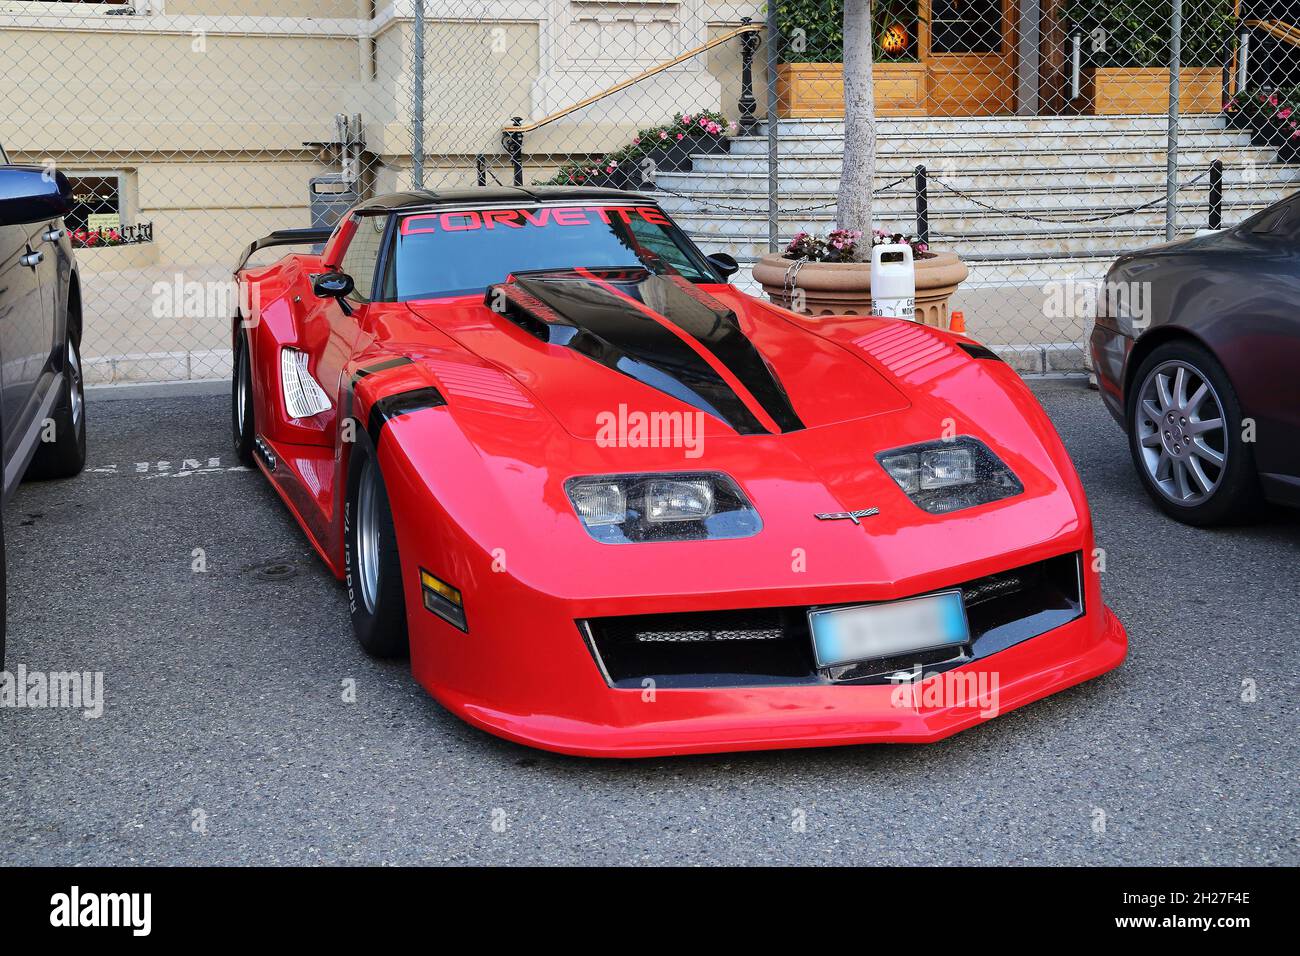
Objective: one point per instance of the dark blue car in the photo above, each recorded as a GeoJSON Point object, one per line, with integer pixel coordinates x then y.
{"type": "Point", "coordinates": [42, 406]}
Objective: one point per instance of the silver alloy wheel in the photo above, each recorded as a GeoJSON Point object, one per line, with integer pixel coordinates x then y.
{"type": "Point", "coordinates": [241, 391]}
{"type": "Point", "coordinates": [1182, 432]}
{"type": "Point", "coordinates": [78, 397]}
{"type": "Point", "coordinates": [368, 535]}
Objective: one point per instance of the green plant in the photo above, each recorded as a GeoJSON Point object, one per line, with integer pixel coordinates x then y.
{"type": "Point", "coordinates": [812, 31]}
{"type": "Point", "coordinates": [1137, 33]}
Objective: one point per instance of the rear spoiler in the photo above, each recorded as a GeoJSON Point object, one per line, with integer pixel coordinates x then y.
{"type": "Point", "coordinates": [285, 237]}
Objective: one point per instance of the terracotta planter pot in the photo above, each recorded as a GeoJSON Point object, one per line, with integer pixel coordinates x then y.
{"type": "Point", "coordinates": [844, 288]}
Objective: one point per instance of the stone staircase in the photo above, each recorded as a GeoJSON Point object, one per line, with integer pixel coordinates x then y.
{"type": "Point", "coordinates": [1027, 201]}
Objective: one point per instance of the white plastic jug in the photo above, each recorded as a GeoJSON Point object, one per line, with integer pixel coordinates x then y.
{"type": "Point", "coordinates": [893, 284]}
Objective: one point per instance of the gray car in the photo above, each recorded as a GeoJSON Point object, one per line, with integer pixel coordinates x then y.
{"type": "Point", "coordinates": [1196, 349]}
{"type": "Point", "coordinates": [42, 405]}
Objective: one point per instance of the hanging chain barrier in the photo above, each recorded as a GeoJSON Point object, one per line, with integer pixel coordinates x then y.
{"type": "Point", "coordinates": [1034, 139]}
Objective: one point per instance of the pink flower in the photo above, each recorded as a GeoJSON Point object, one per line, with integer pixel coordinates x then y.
{"type": "Point", "coordinates": [1284, 113]}
{"type": "Point", "coordinates": [637, 141]}
{"type": "Point", "coordinates": [681, 135]}
{"type": "Point", "coordinates": [663, 134]}
{"type": "Point", "coordinates": [686, 117]}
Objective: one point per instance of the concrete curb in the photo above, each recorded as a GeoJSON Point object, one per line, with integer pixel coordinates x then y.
{"type": "Point", "coordinates": [182, 389]}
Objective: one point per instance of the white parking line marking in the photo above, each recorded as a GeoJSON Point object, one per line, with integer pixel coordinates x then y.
{"type": "Point", "coordinates": [169, 468]}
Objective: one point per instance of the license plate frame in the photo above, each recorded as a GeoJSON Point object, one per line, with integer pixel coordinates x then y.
{"type": "Point", "coordinates": [823, 623]}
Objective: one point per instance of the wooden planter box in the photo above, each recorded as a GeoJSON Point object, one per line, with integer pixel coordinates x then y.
{"type": "Point", "coordinates": [1114, 91]}
{"type": "Point", "coordinates": [816, 90]}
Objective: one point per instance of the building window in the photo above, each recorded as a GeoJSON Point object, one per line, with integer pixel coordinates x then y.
{"type": "Point", "coordinates": [966, 26]}
{"type": "Point", "coordinates": [97, 201]}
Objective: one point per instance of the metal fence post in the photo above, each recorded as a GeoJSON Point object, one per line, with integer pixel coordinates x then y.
{"type": "Point", "coordinates": [417, 105]}
{"type": "Point", "coordinates": [1175, 68]}
{"type": "Point", "coordinates": [922, 205]}
{"type": "Point", "coordinates": [513, 142]}
{"type": "Point", "coordinates": [747, 122]}
{"type": "Point", "coordinates": [773, 166]}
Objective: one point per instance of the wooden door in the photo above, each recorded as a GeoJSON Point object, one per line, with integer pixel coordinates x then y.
{"type": "Point", "coordinates": [969, 48]}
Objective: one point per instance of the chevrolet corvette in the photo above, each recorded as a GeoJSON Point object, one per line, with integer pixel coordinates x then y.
{"type": "Point", "coordinates": [609, 505]}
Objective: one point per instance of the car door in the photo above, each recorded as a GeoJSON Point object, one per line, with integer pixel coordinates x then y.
{"type": "Point", "coordinates": [50, 273]}
{"type": "Point", "coordinates": [24, 321]}
{"type": "Point", "coordinates": [1266, 339]}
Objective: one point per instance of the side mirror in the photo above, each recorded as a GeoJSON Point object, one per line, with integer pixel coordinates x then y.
{"type": "Point", "coordinates": [333, 285]}
{"type": "Point", "coordinates": [724, 263]}
{"type": "Point", "coordinates": [33, 193]}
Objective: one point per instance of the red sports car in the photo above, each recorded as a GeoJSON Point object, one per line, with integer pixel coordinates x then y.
{"type": "Point", "coordinates": [612, 506]}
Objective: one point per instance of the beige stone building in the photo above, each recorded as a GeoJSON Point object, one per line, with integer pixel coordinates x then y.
{"type": "Point", "coordinates": [208, 119]}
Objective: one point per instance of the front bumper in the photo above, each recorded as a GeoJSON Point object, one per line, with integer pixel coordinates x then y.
{"type": "Point", "coordinates": [1110, 350]}
{"type": "Point", "coordinates": [648, 723]}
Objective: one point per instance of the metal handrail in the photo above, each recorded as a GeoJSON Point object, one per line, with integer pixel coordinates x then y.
{"type": "Point", "coordinates": [518, 126]}
{"type": "Point", "coordinates": [1280, 29]}
{"type": "Point", "coordinates": [1238, 79]}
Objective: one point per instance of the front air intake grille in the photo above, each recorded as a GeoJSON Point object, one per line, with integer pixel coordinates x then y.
{"type": "Point", "coordinates": [707, 649]}
{"type": "Point", "coordinates": [773, 646]}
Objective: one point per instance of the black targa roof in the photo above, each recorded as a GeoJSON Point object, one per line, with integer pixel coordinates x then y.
{"type": "Point", "coordinates": [430, 198]}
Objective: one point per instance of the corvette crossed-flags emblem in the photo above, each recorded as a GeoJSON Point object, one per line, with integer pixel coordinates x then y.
{"type": "Point", "coordinates": [851, 515]}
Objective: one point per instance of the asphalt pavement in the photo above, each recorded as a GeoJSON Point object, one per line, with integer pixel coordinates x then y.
{"type": "Point", "coordinates": [229, 732]}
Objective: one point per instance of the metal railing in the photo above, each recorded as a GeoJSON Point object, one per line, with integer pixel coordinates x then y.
{"type": "Point", "coordinates": [512, 135]}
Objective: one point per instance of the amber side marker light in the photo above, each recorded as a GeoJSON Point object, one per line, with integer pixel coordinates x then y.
{"type": "Point", "coordinates": [443, 600]}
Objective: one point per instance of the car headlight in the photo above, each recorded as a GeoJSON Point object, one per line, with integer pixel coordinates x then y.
{"type": "Point", "coordinates": [950, 474]}
{"type": "Point", "coordinates": [692, 506]}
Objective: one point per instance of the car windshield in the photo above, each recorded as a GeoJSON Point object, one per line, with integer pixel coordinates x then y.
{"type": "Point", "coordinates": [462, 251]}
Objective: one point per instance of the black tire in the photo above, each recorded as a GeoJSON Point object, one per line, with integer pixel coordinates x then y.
{"type": "Point", "coordinates": [1235, 493]}
{"type": "Point", "coordinates": [242, 426]}
{"type": "Point", "coordinates": [62, 450]}
{"type": "Point", "coordinates": [378, 610]}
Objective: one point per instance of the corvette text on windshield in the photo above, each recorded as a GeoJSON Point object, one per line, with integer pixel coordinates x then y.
{"type": "Point", "coordinates": [467, 220]}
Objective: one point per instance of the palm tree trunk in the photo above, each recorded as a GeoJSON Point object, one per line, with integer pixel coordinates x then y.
{"type": "Point", "coordinates": [859, 170]}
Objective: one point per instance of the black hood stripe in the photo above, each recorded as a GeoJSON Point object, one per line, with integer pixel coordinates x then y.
{"type": "Point", "coordinates": [675, 342]}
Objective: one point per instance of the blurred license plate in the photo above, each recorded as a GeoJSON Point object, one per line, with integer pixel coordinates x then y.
{"type": "Point", "coordinates": [848, 634]}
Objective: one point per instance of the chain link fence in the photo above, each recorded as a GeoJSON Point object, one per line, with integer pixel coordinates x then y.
{"type": "Point", "coordinates": [1036, 139]}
